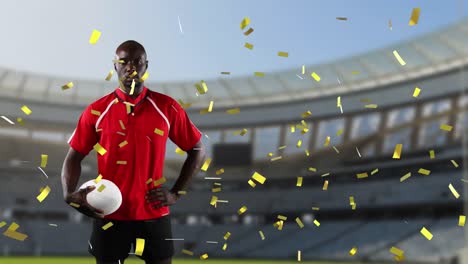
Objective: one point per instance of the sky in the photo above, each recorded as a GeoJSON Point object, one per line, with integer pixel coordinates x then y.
{"type": "Point", "coordinates": [51, 36]}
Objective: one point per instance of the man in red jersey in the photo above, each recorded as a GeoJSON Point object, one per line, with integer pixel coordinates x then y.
{"type": "Point", "coordinates": [132, 125]}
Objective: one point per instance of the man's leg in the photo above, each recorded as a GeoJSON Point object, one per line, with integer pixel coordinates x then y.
{"type": "Point", "coordinates": [159, 248]}
{"type": "Point", "coordinates": [110, 246]}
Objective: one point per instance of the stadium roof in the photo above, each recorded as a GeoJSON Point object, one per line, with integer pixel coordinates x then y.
{"type": "Point", "coordinates": [425, 55]}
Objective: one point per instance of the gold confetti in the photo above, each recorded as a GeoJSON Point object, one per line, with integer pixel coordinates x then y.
{"type": "Point", "coordinates": [149, 181]}
{"type": "Point", "coordinates": [399, 58]}
{"type": "Point", "coordinates": [299, 222]}
{"type": "Point", "coordinates": [446, 127]}
{"type": "Point", "coordinates": [325, 186]}
{"type": "Point", "coordinates": [98, 178]}
{"type": "Point", "coordinates": [109, 75]}
{"type": "Point", "coordinates": [44, 158]}
{"type": "Point", "coordinates": [159, 181]}
{"type": "Point", "coordinates": [282, 217]}
{"type": "Point", "coordinates": [306, 114]}
{"type": "Point", "coordinates": [225, 246]}
{"type": "Point", "coordinates": [374, 171]}
{"type": "Point", "coordinates": [227, 235]}
{"type": "Point", "coordinates": [299, 143]}
{"type": "Point", "coordinates": [123, 143]}
{"type": "Point", "coordinates": [281, 147]}
{"type": "Point", "coordinates": [243, 132]}
{"type": "Point", "coordinates": [233, 111]}
{"type": "Point", "coordinates": [352, 203]}
{"type": "Point", "coordinates": [140, 246]}
{"type": "Point", "coordinates": [242, 210]}
{"type": "Point", "coordinates": [248, 45]}
{"type": "Point", "coordinates": [353, 251]}
{"type": "Point", "coordinates": [184, 105]}
{"type": "Point", "coordinates": [312, 169]}
{"type": "Point", "coordinates": [325, 174]}
{"type": "Point", "coordinates": [249, 31]}
{"type": "Point", "coordinates": [2, 224]}
{"type": "Point", "coordinates": [95, 35]}
{"type": "Point", "coordinates": [414, 16]}
{"type": "Point", "coordinates": [299, 182]}
{"type": "Point", "coordinates": [129, 108]}
{"type": "Point", "coordinates": [206, 164]}
{"type": "Point", "coordinates": [179, 151]}
{"type": "Point", "coordinates": [416, 92]}
{"type": "Point", "coordinates": [245, 22]}
{"type": "Point", "coordinates": [341, 18]}
{"type": "Point", "coordinates": [202, 88]}
{"type": "Point", "coordinates": [299, 255]}
{"type": "Point", "coordinates": [397, 151]}
{"type": "Point", "coordinates": [261, 235]}
{"type": "Point", "coordinates": [307, 152]}
{"type": "Point", "coordinates": [220, 171]}
{"type": "Point", "coordinates": [26, 110]}
{"type": "Point", "coordinates": [107, 226]}
{"type": "Point", "coordinates": [461, 220]}
{"type": "Point", "coordinates": [132, 87]}
{"type": "Point", "coordinates": [122, 124]}
{"type": "Point", "coordinates": [316, 222]}
{"type": "Point", "coordinates": [315, 76]}
{"type": "Point", "coordinates": [327, 141]}
{"type": "Point", "coordinates": [133, 74]}
{"type": "Point", "coordinates": [396, 251]}
{"type": "Point", "coordinates": [95, 112]}
{"type": "Point", "coordinates": [226, 73]}
{"type": "Point", "coordinates": [336, 150]}
{"type": "Point", "coordinates": [252, 184]}
{"type": "Point", "coordinates": [371, 106]}
{"type": "Point", "coordinates": [454, 192]}
{"type": "Point", "coordinates": [44, 193]}
{"type": "Point", "coordinates": [12, 233]}
{"type": "Point", "coordinates": [303, 69]}
{"type": "Point", "coordinates": [424, 171]}
{"type": "Point", "coordinates": [204, 256]}
{"type": "Point", "coordinates": [338, 101]}
{"type": "Point", "coordinates": [276, 158]}
{"type": "Point", "coordinates": [67, 86]}
{"type": "Point", "coordinates": [215, 190]}
{"type": "Point", "coordinates": [210, 107]}
{"type": "Point", "coordinates": [122, 162]}
{"type": "Point", "coordinates": [259, 74]}
{"type": "Point", "coordinates": [426, 233]}
{"type": "Point", "coordinates": [144, 77]}
{"type": "Point", "coordinates": [75, 205]}
{"type": "Point", "coordinates": [283, 54]}
{"type": "Point", "coordinates": [182, 192]}
{"type": "Point", "coordinates": [20, 120]}
{"type": "Point", "coordinates": [315, 208]}
{"type": "Point", "coordinates": [158, 131]}
{"type": "Point", "coordinates": [406, 176]}
{"type": "Point", "coordinates": [455, 164]}
{"type": "Point", "coordinates": [187, 252]}
{"type": "Point", "coordinates": [431, 154]}
{"type": "Point", "coordinates": [355, 72]}
{"type": "Point", "coordinates": [214, 200]}
{"type": "Point", "coordinates": [101, 188]}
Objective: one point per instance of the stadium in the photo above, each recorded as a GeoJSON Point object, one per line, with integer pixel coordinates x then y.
{"type": "Point", "coordinates": [326, 148]}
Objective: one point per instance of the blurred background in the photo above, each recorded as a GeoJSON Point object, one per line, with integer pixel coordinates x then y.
{"type": "Point", "coordinates": [332, 168]}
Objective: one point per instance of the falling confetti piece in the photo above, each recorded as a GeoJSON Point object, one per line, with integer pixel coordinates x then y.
{"type": "Point", "coordinates": [259, 178]}
{"type": "Point", "coordinates": [454, 192]}
{"type": "Point", "coordinates": [226, 73]}
{"type": "Point", "coordinates": [179, 151]}
{"type": "Point", "coordinates": [242, 210]}
{"type": "Point", "coordinates": [455, 164]}
{"type": "Point", "coordinates": [399, 58]}
{"type": "Point", "coordinates": [249, 31]}
{"type": "Point", "coordinates": [206, 164]}
{"type": "Point", "coordinates": [26, 110]}
{"type": "Point", "coordinates": [210, 107]}
{"type": "Point", "coordinates": [299, 222]}
{"type": "Point", "coordinates": [249, 45]}
{"type": "Point", "coordinates": [67, 86]}
{"type": "Point", "coordinates": [396, 251]}
{"type": "Point", "coordinates": [109, 75]}
{"type": "Point", "coordinates": [406, 176]}
{"type": "Point", "coordinates": [374, 171]}
{"type": "Point", "coordinates": [95, 35]}
{"type": "Point", "coordinates": [99, 149]}
{"type": "Point", "coordinates": [233, 111]}
{"type": "Point", "coordinates": [245, 22]}
{"type": "Point", "coordinates": [315, 76]}
{"type": "Point", "coordinates": [140, 246]}
{"type": "Point", "coordinates": [187, 252]}
{"type": "Point", "coordinates": [353, 251]}
{"type": "Point", "coordinates": [261, 235]}
{"type": "Point", "coordinates": [121, 162]}
{"type": "Point", "coordinates": [416, 92]}
{"type": "Point", "coordinates": [107, 226]}
{"type": "Point", "coordinates": [414, 16]}
{"type": "Point", "coordinates": [446, 127]}
{"type": "Point", "coordinates": [123, 143]}
{"type": "Point", "coordinates": [283, 54]}
{"type": "Point", "coordinates": [132, 87]}
{"type": "Point", "coordinates": [44, 158]}
{"type": "Point", "coordinates": [397, 151]}
{"type": "Point", "coordinates": [227, 235]}
{"type": "Point", "coordinates": [426, 233]}
{"type": "Point", "coordinates": [362, 175]}
{"type": "Point", "coordinates": [424, 171]}
{"type": "Point", "coordinates": [158, 131]}
{"type": "Point", "coordinates": [299, 182]}
{"type": "Point", "coordinates": [371, 106]}
{"type": "Point", "coordinates": [461, 220]}
{"type": "Point", "coordinates": [101, 188]}
{"type": "Point", "coordinates": [98, 178]}
{"type": "Point", "coordinates": [159, 181]}
{"type": "Point", "coordinates": [8, 120]}
{"type": "Point", "coordinates": [316, 222]}
{"type": "Point", "coordinates": [299, 255]}
{"type": "Point", "coordinates": [431, 154]}
{"type": "Point", "coordinates": [325, 186]}
{"type": "Point", "coordinates": [95, 112]}
{"type": "Point", "coordinates": [259, 74]}
{"type": "Point", "coordinates": [44, 193]}
{"type": "Point", "coordinates": [204, 256]}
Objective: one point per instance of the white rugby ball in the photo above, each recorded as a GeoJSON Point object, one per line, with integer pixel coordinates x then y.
{"type": "Point", "coordinates": [108, 200]}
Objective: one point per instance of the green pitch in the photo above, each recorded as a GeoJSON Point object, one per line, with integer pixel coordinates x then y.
{"type": "Point", "coordinates": [132, 260]}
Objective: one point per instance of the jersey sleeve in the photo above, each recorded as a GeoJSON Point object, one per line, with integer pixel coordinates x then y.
{"type": "Point", "coordinates": [183, 132]}
{"type": "Point", "coordinates": [85, 136]}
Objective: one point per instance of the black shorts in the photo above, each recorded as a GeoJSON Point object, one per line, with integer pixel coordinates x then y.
{"type": "Point", "coordinates": [116, 242]}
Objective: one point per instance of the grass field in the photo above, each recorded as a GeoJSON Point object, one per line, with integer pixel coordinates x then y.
{"type": "Point", "coordinates": [133, 260]}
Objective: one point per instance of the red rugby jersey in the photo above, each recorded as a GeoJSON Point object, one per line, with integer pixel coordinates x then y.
{"type": "Point", "coordinates": [135, 143]}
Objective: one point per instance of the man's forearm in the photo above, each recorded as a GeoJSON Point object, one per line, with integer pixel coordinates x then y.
{"type": "Point", "coordinates": [71, 172]}
{"type": "Point", "coordinates": [190, 168]}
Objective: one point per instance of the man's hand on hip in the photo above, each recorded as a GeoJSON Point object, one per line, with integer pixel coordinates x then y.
{"type": "Point", "coordinates": [161, 195]}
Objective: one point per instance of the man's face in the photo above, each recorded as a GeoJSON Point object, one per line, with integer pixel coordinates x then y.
{"type": "Point", "coordinates": [128, 60]}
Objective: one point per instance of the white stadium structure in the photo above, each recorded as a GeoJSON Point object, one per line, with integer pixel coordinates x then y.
{"type": "Point", "coordinates": [378, 112]}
